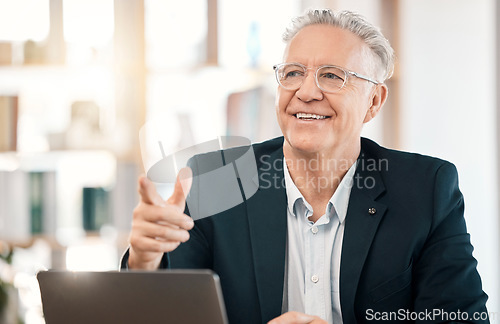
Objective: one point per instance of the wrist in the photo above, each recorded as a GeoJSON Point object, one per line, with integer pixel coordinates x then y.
{"type": "Point", "coordinates": [137, 263]}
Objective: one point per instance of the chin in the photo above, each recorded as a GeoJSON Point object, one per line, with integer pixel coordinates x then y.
{"type": "Point", "coordinates": [307, 146]}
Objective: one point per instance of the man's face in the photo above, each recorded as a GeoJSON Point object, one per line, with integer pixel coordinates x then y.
{"type": "Point", "coordinates": [346, 110]}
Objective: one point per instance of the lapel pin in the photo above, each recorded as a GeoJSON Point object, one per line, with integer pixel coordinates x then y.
{"type": "Point", "coordinates": [372, 211]}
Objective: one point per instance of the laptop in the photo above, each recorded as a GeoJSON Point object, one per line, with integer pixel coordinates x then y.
{"type": "Point", "coordinates": [132, 297]}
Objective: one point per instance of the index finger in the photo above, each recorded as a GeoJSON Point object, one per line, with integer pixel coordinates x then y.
{"type": "Point", "coordinates": [148, 192]}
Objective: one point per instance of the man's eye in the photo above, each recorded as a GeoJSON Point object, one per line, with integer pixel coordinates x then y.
{"type": "Point", "coordinates": [292, 74]}
{"type": "Point", "coordinates": [331, 76]}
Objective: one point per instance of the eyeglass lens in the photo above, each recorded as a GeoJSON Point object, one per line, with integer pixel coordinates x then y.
{"type": "Point", "coordinates": [291, 76]}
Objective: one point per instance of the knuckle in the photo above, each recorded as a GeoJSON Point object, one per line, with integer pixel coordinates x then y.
{"type": "Point", "coordinates": [136, 245]}
{"type": "Point", "coordinates": [138, 211]}
{"type": "Point", "coordinates": [157, 247]}
{"type": "Point", "coordinates": [132, 240]}
{"type": "Point", "coordinates": [136, 242]}
{"type": "Point", "coordinates": [137, 227]}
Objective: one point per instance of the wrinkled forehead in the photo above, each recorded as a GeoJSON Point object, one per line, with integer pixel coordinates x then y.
{"type": "Point", "coordinates": [321, 44]}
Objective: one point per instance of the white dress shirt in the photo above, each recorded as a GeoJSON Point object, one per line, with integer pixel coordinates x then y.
{"type": "Point", "coordinates": [312, 270]}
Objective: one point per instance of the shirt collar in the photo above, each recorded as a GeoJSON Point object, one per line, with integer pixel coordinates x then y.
{"type": "Point", "coordinates": [292, 192]}
{"type": "Point", "coordinates": [339, 200]}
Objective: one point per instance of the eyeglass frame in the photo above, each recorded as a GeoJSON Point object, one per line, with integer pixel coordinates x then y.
{"type": "Point", "coordinates": [347, 73]}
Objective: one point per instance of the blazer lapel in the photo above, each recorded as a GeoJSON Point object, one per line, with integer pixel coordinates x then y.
{"type": "Point", "coordinates": [266, 212]}
{"type": "Point", "coordinates": [363, 217]}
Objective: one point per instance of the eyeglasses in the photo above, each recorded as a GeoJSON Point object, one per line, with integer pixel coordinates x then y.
{"type": "Point", "coordinates": [329, 78]}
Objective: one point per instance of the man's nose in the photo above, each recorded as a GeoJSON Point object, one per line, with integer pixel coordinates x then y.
{"type": "Point", "coordinates": [309, 90]}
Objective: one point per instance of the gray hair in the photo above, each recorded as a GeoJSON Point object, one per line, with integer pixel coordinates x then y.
{"type": "Point", "coordinates": [355, 23]}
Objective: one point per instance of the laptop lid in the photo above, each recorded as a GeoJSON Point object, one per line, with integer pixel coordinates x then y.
{"type": "Point", "coordinates": [167, 296]}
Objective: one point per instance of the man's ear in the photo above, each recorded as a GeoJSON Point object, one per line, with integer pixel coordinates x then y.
{"type": "Point", "coordinates": [378, 98]}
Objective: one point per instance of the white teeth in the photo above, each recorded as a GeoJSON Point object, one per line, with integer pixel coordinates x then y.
{"type": "Point", "coordinates": [309, 116]}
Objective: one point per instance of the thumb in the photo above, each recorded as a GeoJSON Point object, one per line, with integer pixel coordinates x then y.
{"type": "Point", "coordinates": [182, 187]}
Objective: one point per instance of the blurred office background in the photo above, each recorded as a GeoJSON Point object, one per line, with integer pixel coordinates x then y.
{"type": "Point", "coordinates": [80, 78]}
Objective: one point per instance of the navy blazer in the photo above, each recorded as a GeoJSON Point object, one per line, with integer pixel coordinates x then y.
{"type": "Point", "coordinates": [406, 253]}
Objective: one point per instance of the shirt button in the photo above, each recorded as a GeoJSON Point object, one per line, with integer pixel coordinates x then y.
{"type": "Point", "coordinates": [314, 229]}
{"type": "Point", "coordinates": [314, 278]}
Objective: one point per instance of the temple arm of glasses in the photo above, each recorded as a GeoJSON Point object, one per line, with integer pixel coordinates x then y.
{"type": "Point", "coordinates": [357, 75]}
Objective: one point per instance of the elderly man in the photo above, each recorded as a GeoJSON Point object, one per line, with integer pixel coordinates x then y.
{"type": "Point", "coordinates": [347, 231]}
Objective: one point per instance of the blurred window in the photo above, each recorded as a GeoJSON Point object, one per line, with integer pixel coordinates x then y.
{"type": "Point", "coordinates": [175, 33]}
{"type": "Point", "coordinates": [19, 24]}
{"type": "Point", "coordinates": [250, 31]}
{"type": "Point", "coordinates": [88, 22]}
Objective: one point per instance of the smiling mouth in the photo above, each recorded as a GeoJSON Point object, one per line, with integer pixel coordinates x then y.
{"type": "Point", "coordinates": [304, 116]}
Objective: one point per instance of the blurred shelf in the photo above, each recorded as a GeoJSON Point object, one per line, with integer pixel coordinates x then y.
{"type": "Point", "coordinates": [51, 160]}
